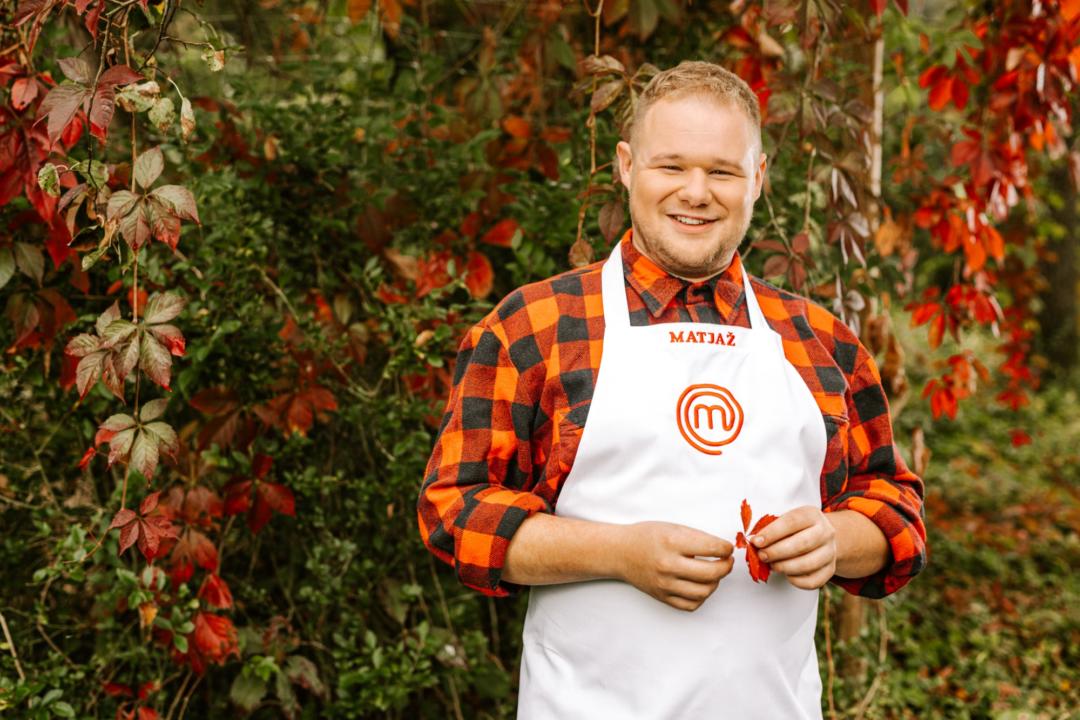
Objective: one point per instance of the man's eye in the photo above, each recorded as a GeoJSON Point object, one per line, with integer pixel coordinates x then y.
{"type": "Point", "coordinates": [672, 167]}
{"type": "Point", "coordinates": [720, 172]}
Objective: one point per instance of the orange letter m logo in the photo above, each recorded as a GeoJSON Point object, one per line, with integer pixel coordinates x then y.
{"type": "Point", "coordinates": [727, 418]}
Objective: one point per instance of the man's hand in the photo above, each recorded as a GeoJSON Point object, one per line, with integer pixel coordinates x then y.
{"type": "Point", "coordinates": [810, 546]}
{"type": "Point", "coordinates": [801, 544]}
{"type": "Point", "coordinates": [658, 558]}
{"type": "Point", "coordinates": [662, 560]}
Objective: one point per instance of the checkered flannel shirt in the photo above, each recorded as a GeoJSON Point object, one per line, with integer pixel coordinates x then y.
{"type": "Point", "coordinates": [525, 376]}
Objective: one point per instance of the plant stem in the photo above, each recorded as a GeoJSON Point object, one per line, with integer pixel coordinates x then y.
{"type": "Point", "coordinates": [11, 646]}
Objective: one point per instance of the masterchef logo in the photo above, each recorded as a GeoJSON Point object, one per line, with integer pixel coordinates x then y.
{"type": "Point", "coordinates": [709, 417]}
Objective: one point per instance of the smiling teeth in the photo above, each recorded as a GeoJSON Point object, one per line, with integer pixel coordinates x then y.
{"type": "Point", "coordinates": [689, 220]}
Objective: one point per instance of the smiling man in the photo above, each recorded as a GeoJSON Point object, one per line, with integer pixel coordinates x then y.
{"type": "Point", "coordinates": [606, 426]}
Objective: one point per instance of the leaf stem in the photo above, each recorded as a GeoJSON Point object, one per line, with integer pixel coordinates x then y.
{"type": "Point", "coordinates": [11, 647]}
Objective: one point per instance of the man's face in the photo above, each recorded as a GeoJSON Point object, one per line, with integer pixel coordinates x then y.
{"type": "Point", "coordinates": [694, 170]}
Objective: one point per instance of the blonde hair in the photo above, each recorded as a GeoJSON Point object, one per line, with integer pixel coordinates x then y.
{"type": "Point", "coordinates": [694, 77]}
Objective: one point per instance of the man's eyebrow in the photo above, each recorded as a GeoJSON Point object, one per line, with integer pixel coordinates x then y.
{"type": "Point", "coordinates": [716, 162]}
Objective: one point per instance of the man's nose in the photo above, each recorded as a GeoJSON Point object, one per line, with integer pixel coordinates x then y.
{"type": "Point", "coordinates": [695, 189]}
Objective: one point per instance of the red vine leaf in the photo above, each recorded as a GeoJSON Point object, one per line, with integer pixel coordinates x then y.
{"type": "Point", "coordinates": [258, 497]}
{"type": "Point", "coordinates": [145, 529]}
{"type": "Point", "coordinates": [216, 592]}
{"type": "Point", "coordinates": [759, 570]}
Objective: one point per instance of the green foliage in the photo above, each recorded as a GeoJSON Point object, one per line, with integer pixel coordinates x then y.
{"type": "Point", "coordinates": [337, 166]}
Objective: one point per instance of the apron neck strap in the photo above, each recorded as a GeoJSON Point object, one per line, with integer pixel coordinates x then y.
{"type": "Point", "coordinates": [617, 312]}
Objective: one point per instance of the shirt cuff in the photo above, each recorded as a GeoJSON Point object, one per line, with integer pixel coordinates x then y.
{"type": "Point", "coordinates": [907, 547]}
{"type": "Point", "coordinates": [482, 533]}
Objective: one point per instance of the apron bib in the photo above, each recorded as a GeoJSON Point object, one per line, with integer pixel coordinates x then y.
{"type": "Point", "coordinates": [687, 420]}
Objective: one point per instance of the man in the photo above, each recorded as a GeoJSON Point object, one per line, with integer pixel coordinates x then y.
{"type": "Point", "coordinates": [606, 425]}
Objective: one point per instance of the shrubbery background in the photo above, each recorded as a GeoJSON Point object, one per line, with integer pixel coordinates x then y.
{"type": "Point", "coordinates": [369, 182]}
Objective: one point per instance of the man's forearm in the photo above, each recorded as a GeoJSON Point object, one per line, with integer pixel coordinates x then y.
{"type": "Point", "coordinates": [548, 549]}
{"type": "Point", "coordinates": [861, 547]}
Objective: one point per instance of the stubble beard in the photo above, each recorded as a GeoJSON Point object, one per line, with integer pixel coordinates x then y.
{"type": "Point", "coordinates": [696, 269]}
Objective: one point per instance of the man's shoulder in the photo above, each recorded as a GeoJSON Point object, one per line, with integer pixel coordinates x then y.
{"type": "Point", "coordinates": [538, 305]}
{"type": "Point", "coordinates": [797, 317]}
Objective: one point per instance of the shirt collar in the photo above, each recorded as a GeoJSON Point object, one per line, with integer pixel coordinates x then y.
{"type": "Point", "coordinates": [658, 289]}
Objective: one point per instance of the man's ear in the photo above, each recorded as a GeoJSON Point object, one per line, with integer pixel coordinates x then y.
{"type": "Point", "coordinates": [625, 155]}
{"type": "Point", "coordinates": [759, 175]}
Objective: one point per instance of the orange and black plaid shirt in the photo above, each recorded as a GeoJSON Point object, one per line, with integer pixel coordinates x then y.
{"type": "Point", "coordinates": [524, 380]}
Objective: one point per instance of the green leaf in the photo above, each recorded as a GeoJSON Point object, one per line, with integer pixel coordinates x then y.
{"type": "Point", "coordinates": [48, 178]}
{"type": "Point", "coordinates": [95, 172]}
{"type": "Point", "coordinates": [154, 360]}
{"type": "Point", "coordinates": [303, 672]}
{"type": "Point", "coordinates": [62, 709]}
{"type": "Point", "coordinates": [153, 409]}
{"type": "Point", "coordinates": [164, 435]}
{"type": "Point", "coordinates": [283, 690]}
{"type": "Point", "coordinates": [118, 422]}
{"type": "Point", "coordinates": [7, 265]}
{"type": "Point", "coordinates": [90, 259]}
{"type": "Point", "coordinates": [139, 98]}
{"type": "Point", "coordinates": [179, 199]}
{"type": "Point", "coordinates": [144, 454]}
{"type": "Point", "coordinates": [162, 307]}
{"type": "Point", "coordinates": [117, 332]}
{"type": "Point", "coordinates": [120, 204]}
{"type": "Point", "coordinates": [129, 357]}
{"type": "Point", "coordinates": [180, 643]}
{"type": "Point", "coordinates": [120, 445]}
{"type": "Point", "coordinates": [162, 115]}
{"type": "Point", "coordinates": [88, 371]}
{"type": "Point", "coordinates": [214, 59]}
{"type": "Point", "coordinates": [111, 313]}
{"type": "Point", "coordinates": [30, 260]}
{"type": "Point", "coordinates": [247, 691]}
{"type": "Point", "coordinates": [187, 119]}
{"type": "Point", "coordinates": [148, 168]}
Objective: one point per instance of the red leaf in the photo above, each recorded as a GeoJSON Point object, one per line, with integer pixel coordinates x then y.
{"type": "Point", "coordinates": [216, 592]}
{"type": "Point", "coordinates": [194, 549]}
{"type": "Point", "coordinates": [502, 234]}
{"type": "Point", "coordinates": [23, 92]}
{"type": "Point", "coordinates": [215, 401]}
{"type": "Point", "coordinates": [932, 75]}
{"type": "Point", "coordinates": [762, 523]}
{"type": "Point", "coordinates": [261, 465]}
{"type": "Point", "coordinates": [517, 127]}
{"type": "Point", "coordinates": [470, 225]}
{"type": "Point", "coordinates": [237, 497]}
{"type": "Point", "coordinates": [117, 690]}
{"type": "Point", "coordinates": [1019, 438]}
{"type": "Point", "coordinates": [87, 457]}
{"type": "Point", "coordinates": [215, 637]}
{"type": "Point", "coordinates": [759, 570]}
{"type": "Point", "coordinates": [479, 275]}
{"type": "Point", "coordinates": [270, 497]}
{"type": "Point", "coordinates": [941, 93]}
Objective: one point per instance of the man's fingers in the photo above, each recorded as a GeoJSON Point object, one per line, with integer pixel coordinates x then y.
{"type": "Point", "coordinates": [787, 524]}
{"type": "Point", "coordinates": [704, 571]}
{"type": "Point", "coordinates": [807, 564]}
{"type": "Point", "coordinates": [793, 546]}
{"type": "Point", "coordinates": [702, 544]}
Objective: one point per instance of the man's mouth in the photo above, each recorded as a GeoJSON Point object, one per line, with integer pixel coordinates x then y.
{"type": "Point", "coordinates": [689, 220]}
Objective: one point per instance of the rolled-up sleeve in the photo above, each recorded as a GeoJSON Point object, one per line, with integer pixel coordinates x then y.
{"type": "Point", "coordinates": [474, 495]}
{"type": "Point", "coordinates": [880, 486]}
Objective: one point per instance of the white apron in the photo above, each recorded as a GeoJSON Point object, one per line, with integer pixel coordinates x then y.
{"type": "Point", "coordinates": [687, 420]}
